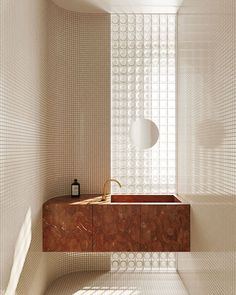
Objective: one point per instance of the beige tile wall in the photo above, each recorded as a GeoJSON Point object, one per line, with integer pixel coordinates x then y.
{"type": "Point", "coordinates": [79, 98]}
{"type": "Point", "coordinates": [23, 128]}
{"type": "Point", "coordinates": [55, 121]}
{"type": "Point", "coordinates": [206, 143]}
{"type": "Point", "coordinates": [44, 131]}
{"type": "Point", "coordinates": [79, 116]}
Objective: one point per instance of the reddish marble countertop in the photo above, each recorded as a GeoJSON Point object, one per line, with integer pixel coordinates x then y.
{"type": "Point", "coordinates": [86, 199]}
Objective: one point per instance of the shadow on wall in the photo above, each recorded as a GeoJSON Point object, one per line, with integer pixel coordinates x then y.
{"type": "Point", "coordinates": [209, 268]}
{"type": "Point", "coordinates": [21, 249]}
{"type": "Point", "coordinates": [82, 6]}
{"type": "Point", "coordinates": [210, 134]}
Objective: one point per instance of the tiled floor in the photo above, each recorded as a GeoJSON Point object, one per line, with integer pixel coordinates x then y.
{"type": "Point", "coordinates": [108, 283]}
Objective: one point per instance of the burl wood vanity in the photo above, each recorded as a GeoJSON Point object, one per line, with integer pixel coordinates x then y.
{"type": "Point", "coordinates": [120, 223]}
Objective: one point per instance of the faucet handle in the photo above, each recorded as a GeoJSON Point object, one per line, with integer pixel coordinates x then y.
{"type": "Point", "coordinates": [104, 195]}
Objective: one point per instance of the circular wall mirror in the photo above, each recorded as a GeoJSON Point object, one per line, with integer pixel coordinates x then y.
{"type": "Point", "coordinates": [144, 133]}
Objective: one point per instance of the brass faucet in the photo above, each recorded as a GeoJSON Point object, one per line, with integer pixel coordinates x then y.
{"type": "Point", "coordinates": [104, 195]}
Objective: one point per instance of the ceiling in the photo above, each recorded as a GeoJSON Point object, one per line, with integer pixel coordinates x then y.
{"type": "Point", "coordinates": [120, 6]}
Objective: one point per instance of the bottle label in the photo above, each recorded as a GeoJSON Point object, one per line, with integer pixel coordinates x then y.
{"type": "Point", "coordinates": [75, 190]}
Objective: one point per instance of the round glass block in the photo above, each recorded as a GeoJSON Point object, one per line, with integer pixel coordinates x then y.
{"type": "Point", "coordinates": [123, 264]}
{"type": "Point", "coordinates": [131, 264]}
{"type": "Point", "coordinates": [123, 19]}
{"type": "Point", "coordinates": [123, 36]}
{"type": "Point", "coordinates": [139, 18]}
{"type": "Point", "coordinates": [147, 255]}
{"type": "Point", "coordinates": [115, 264]}
{"type": "Point", "coordinates": [115, 36]}
{"type": "Point", "coordinates": [139, 256]}
{"type": "Point", "coordinates": [131, 28]}
{"type": "Point", "coordinates": [115, 28]}
{"type": "Point", "coordinates": [131, 256]}
{"type": "Point", "coordinates": [123, 28]}
{"type": "Point", "coordinates": [131, 19]}
{"type": "Point", "coordinates": [123, 255]}
{"type": "Point", "coordinates": [115, 256]}
{"type": "Point", "coordinates": [139, 264]}
{"type": "Point", "coordinates": [131, 36]}
{"type": "Point", "coordinates": [115, 19]}
{"type": "Point", "coordinates": [155, 255]}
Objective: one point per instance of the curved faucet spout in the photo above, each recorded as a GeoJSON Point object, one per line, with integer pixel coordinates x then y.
{"type": "Point", "coordinates": [105, 194]}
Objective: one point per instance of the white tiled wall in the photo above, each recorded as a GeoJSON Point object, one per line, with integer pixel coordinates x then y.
{"type": "Point", "coordinates": [43, 127]}
{"type": "Point", "coordinates": [55, 122]}
{"type": "Point", "coordinates": [206, 143]}
{"type": "Point", "coordinates": [79, 116]}
{"type": "Point", "coordinates": [79, 99]}
{"type": "Point", "coordinates": [23, 128]}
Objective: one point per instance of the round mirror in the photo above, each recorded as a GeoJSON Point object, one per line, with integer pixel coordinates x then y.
{"type": "Point", "coordinates": [144, 133]}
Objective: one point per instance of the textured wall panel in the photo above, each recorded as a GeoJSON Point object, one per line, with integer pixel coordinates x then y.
{"type": "Point", "coordinates": [206, 143]}
{"type": "Point", "coordinates": [79, 94]}
{"type": "Point", "coordinates": [143, 262]}
{"type": "Point", "coordinates": [55, 122]}
{"type": "Point", "coordinates": [79, 116]}
{"type": "Point", "coordinates": [143, 86]}
{"type": "Point", "coordinates": [23, 128]}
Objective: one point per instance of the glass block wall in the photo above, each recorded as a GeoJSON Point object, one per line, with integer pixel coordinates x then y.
{"type": "Point", "coordinates": [143, 86]}
{"type": "Point", "coordinates": [143, 262]}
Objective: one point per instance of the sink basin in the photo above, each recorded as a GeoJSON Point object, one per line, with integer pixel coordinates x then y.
{"type": "Point", "coordinates": [144, 199]}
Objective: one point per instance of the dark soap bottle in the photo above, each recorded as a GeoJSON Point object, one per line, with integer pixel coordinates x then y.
{"type": "Point", "coordinates": [75, 189]}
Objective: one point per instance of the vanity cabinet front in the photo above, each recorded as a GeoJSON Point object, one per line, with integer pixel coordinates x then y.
{"type": "Point", "coordinates": [165, 228]}
{"type": "Point", "coordinates": [67, 228]}
{"type": "Point", "coordinates": [86, 224]}
{"type": "Point", "coordinates": [116, 228]}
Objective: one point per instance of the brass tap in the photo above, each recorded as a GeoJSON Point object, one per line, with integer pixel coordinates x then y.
{"type": "Point", "coordinates": [104, 195]}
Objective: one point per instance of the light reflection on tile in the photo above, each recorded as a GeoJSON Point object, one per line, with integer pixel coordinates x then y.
{"type": "Point", "coordinates": [206, 143]}
{"type": "Point", "coordinates": [117, 283]}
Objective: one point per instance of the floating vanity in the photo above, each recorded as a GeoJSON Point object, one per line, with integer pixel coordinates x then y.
{"type": "Point", "coordinates": [120, 223]}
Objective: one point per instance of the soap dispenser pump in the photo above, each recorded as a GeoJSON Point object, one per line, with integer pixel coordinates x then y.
{"type": "Point", "coordinates": [75, 189]}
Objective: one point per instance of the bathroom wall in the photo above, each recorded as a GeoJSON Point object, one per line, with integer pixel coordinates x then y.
{"type": "Point", "coordinates": [79, 99]}
{"type": "Point", "coordinates": [206, 143]}
{"type": "Point", "coordinates": [23, 128]}
{"type": "Point", "coordinates": [79, 134]}
{"type": "Point", "coordinates": [79, 117]}
{"type": "Point", "coordinates": [55, 121]}
{"type": "Point", "coordinates": [143, 86]}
